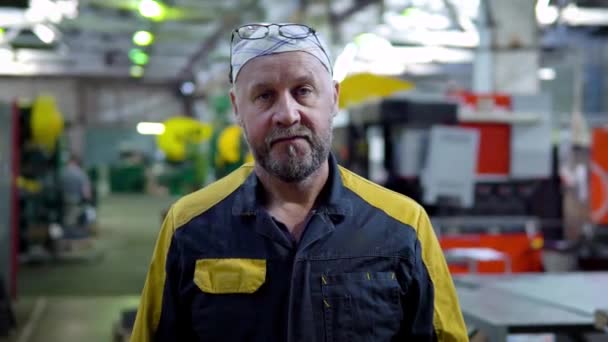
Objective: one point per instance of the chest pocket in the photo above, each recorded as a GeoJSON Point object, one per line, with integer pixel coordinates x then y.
{"type": "Point", "coordinates": [222, 276]}
{"type": "Point", "coordinates": [227, 295]}
{"type": "Point", "coordinates": [361, 306]}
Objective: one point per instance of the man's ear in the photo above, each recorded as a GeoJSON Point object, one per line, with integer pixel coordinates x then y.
{"type": "Point", "coordinates": [336, 104]}
{"type": "Point", "coordinates": [234, 106]}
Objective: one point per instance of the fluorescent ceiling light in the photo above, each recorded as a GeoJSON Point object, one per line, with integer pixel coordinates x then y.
{"type": "Point", "coordinates": [187, 88]}
{"type": "Point", "coordinates": [417, 19]}
{"type": "Point", "coordinates": [151, 9]}
{"type": "Point", "coordinates": [372, 46]}
{"type": "Point", "coordinates": [136, 71]}
{"type": "Point", "coordinates": [43, 10]}
{"type": "Point", "coordinates": [574, 15]}
{"type": "Point", "coordinates": [150, 128]}
{"type": "Point", "coordinates": [431, 54]}
{"type": "Point", "coordinates": [545, 14]}
{"type": "Point", "coordinates": [470, 8]}
{"type": "Point", "coordinates": [44, 33]}
{"type": "Point", "coordinates": [69, 8]}
{"type": "Point", "coordinates": [6, 54]}
{"type": "Point", "coordinates": [143, 38]}
{"type": "Point", "coordinates": [388, 69]}
{"type": "Point", "coordinates": [138, 56]}
{"type": "Point", "coordinates": [344, 62]}
{"type": "Point", "coordinates": [467, 39]}
{"type": "Point", "coordinates": [546, 74]}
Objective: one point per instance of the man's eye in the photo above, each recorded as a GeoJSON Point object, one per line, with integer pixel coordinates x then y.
{"type": "Point", "coordinates": [264, 97]}
{"type": "Point", "coordinates": [303, 91]}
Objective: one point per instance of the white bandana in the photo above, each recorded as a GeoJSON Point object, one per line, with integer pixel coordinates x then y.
{"type": "Point", "coordinates": [247, 49]}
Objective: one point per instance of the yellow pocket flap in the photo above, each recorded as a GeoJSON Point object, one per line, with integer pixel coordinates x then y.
{"type": "Point", "coordinates": [230, 275]}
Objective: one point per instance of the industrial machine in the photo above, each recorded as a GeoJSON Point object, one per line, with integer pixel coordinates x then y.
{"type": "Point", "coordinates": [43, 231]}
{"type": "Point", "coordinates": [8, 248]}
{"type": "Point", "coordinates": [491, 200]}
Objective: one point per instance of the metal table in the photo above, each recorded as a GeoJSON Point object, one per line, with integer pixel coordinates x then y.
{"type": "Point", "coordinates": [471, 256]}
{"type": "Point", "coordinates": [601, 320]}
{"type": "Point", "coordinates": [532, 303]}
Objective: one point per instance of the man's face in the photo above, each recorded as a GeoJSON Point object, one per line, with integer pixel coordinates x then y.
{"type": "Point", "coordinates": [285, 103]}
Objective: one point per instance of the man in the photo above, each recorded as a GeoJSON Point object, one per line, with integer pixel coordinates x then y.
{"type": "Point", "coordinates": [294, 247]}
{"type": "Point", "coordinates": [76, 191]}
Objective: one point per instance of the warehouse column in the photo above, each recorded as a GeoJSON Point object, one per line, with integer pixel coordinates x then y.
{"type": "Point", "coordinates": [508, 55]}
{"type": "Point", "coordinates": [76, 133]}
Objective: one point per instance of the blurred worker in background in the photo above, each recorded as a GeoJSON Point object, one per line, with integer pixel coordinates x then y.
{"type": "Point", "coordinates": [294, 247]}
{"type": "Point", "coordinates": [76, 190]}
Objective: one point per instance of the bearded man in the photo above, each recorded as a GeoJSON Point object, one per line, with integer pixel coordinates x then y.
{"type": "Point", "coordinates": [294, 247]}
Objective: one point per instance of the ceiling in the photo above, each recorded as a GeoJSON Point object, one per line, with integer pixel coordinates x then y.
{"type": "Point", "coordinates": [94, 38]}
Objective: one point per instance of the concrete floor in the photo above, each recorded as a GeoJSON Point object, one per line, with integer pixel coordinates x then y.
{"type": "Point", "coordinates": [80, 301]}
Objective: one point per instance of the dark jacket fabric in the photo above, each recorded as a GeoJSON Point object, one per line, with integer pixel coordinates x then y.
{"type": "Point", "coordinates": [368, 267]}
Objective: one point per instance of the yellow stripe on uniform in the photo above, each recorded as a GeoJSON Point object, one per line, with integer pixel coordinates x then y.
{"type": "Point", "coordinates": [447, 318]}
{"type": "Point", "coordinates": [184, 210]}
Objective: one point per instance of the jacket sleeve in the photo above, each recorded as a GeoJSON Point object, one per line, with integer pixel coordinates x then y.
{"type": "Point", "coordinates": [417, 301]}
{"type": "Point", "coordinates": [435, 284]}
{"type": "Point", "coordinates": [158, 315]}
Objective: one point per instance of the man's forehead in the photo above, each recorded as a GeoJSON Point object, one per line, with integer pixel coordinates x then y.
{"type": "Point", "coordinates": [287, 66]}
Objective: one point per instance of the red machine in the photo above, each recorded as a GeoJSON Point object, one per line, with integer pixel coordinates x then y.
{"type": "Point", "coordinates": [599, 176]}
{"type": "Point", "coordinates": [522, 253]}
{"type": "Point", "coordinates": [505, 197]}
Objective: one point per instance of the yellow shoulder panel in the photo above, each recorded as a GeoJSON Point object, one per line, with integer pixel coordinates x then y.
{"type": "Point", "coordinates": [447, 317]}
{"type": "Point", "coordinates": [395, 205]}
{"type": "Point", "coordinates": [150, 307]}
{"type": "Point", "coordinates": [200, 201]}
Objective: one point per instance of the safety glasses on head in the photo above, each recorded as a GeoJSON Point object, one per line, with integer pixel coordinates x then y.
{"type": "Point", "coordinates": [261, 31]}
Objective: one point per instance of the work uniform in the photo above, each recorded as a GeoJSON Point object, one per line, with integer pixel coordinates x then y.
{"type": "Point", "coordinates": [75, 187]}
{"type": "Point", "coordinates": [368, 267]}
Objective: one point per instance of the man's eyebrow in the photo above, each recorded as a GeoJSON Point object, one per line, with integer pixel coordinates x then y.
{"type": "Point", "coordinates": [304, 78]}
{"type": "Point", "coordinates": [258, 86]}
{"type": "Point", "coordinates": [308, 78]}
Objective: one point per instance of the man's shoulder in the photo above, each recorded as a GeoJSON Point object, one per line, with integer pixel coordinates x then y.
{"type": "Point", "coordinates": [396, 205]}
{"type": "Point", "coordinates": [198, 202]}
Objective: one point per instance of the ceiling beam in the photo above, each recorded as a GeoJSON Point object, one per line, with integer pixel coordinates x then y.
{"type": "Point", "coordinates": [338, 18]}
{"type": "Point", "coordinates": [202, 53]}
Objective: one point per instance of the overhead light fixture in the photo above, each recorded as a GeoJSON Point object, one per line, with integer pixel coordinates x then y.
{"type": "Point", "coordinates": [43, 11]}
{"type": "Point", "coordinates": [344, 62]}
{"type": "Point", "coordinates": [143, 38]}
{"type": "Point", "coordinates": [6, 54]}
{"type": "Point", "coordinates": [138, 56]}
{"type": "Point", "coordinates": [372, 46]}
{"type": "Point", "coordinates": [136, 71]}
{"type": "Point", "coordinates": [584, 16]}
{"type": "Point", "coordinates": [44, 33]}
{"type": "Point", "coordinates": [187, 88]}
{"type": "Point", "coordinates": [466, 39]}
{"type": "Point", "coordinates": [546, 74]}
{"type": "Point", "coordinates": [69, 8]}
{"type": "Point", "coordinates": [151, 9]}
{"type": "Point", "coordinates": [150, 128]}
{"type": "Point", "coordinates": [545, 14]}
{"type": "Point", "coordinates": [414, 18]}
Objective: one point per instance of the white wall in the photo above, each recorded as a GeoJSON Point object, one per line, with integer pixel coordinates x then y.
{"type": "Point", "coordinates": [93, 103]}
{"type": "Point", "coordinates": [64, 92]}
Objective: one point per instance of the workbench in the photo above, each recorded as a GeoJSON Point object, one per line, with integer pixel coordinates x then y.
{"type": "Point", "coordinates": [559, 303]}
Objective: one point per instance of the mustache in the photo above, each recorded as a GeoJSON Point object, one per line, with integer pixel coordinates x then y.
{"type": "Point", "coordinates": [290, 132]}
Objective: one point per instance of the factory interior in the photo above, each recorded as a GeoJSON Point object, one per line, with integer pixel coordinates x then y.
{"type": "Point", "coordinates": [492, 114]}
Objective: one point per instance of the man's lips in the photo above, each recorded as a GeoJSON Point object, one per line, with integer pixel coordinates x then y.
{"type": "Point", "coordinates": [287, 139]}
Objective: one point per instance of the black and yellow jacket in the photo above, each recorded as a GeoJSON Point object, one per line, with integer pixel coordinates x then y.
{"type": "Point", "coordinates": [367, 268]}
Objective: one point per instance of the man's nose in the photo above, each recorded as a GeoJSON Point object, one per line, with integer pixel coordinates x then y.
{"type": "Point", "coordinates": [286, 111]}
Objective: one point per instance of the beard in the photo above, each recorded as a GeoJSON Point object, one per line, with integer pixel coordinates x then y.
{"type": "Point", "coordinates": [297, 160]}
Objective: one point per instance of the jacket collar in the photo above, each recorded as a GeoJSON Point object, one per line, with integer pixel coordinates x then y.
{"type": "Point", "coordinates": [331, 200]}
